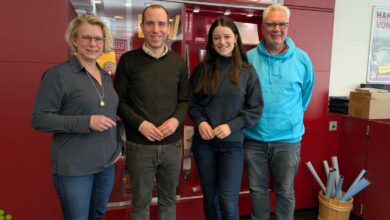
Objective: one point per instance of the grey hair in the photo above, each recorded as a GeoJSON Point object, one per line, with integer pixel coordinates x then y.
{"type": "Point", "coordinates": [275, 7]}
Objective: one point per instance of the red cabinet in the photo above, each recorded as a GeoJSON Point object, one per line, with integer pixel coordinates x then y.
{"type": "Point", "coordinates": [352, 153]}
{"type": "Point", "coordinates": [365, 144]}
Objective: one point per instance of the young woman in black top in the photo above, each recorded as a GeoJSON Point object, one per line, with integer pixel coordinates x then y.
{"type": "Point", "coordinates": [225, 98]}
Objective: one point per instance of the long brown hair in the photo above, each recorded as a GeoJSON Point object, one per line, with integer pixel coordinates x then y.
{"type": "Point", "coordinates": [209, 66]}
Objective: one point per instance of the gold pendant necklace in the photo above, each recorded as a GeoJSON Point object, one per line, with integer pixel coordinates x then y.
{"type": "Point", "coordinates": [101, 96]}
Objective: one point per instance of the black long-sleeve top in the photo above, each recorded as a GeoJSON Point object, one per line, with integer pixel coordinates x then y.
{"type": "Point", "coordinates": [238, 106]}
{"type": "Point", "coordinates": [64, 103]}
{"type": "Point", "coordinates": [152, 89]}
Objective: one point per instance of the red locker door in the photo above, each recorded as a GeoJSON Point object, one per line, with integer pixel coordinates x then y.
{"type": "Point", "coordinates": [376, 196]}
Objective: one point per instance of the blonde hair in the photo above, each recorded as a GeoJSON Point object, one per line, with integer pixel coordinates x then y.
{"type": "Point", "coordinates": [275, 7]}
{"type": "Point", "coordinates": [73, 30]}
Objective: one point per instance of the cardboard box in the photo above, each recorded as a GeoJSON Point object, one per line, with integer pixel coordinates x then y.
{"type": "Point", "coordinates": [369, 105]}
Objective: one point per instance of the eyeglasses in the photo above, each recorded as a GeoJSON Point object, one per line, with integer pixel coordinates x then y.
{"type": "Point", "coordinates": [272, 26]}
{"type": "Point", "coordinates": [88, 39]}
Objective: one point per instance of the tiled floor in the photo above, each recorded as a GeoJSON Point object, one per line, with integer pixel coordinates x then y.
{"type": "Point", "coordinates": [307, 214]}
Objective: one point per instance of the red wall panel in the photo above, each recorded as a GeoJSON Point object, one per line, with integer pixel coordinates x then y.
{"type": "Point", "coordinates": [24, 158]}
{"type": "Point", "coordinates": [324, 4]}
{"type": "Point", "coordinates": [316, 39]}
{"type": "Point", "coordinates": [318, 143]}
{"type": "Point", "coordinates": [32, 40]}
{"type": "Point", "coordinates": [33, 31]}
{"type": "Point", "coordinates": [313, 32]}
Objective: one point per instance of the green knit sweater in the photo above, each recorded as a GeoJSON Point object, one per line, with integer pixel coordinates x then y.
{"type": "Point", "coordinates": [151, 89]}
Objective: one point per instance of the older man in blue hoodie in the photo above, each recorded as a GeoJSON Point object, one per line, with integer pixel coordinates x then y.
{"type": "Point", "coordinates": [272, 146]}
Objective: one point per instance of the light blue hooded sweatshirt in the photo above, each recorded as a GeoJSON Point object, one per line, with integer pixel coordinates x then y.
{"type": "Point", "coordinates": [287, 82]}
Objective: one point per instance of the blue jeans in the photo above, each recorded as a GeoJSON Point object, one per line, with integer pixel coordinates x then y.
{"type": "Point", "coordinates": [146, 162]}
{"type": "Point", "coordinates": [85, 197]}
{"type": "Point", "coordinates": [282, 160]}
{"type": "Point", "coordinates": [220, 165]}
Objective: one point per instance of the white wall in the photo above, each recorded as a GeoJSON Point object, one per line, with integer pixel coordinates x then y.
{"type": "Point", "coordinates": [351, 42]}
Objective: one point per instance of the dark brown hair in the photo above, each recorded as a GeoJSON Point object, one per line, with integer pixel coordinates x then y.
{"type": "Point", "coordinates": [209, 66]}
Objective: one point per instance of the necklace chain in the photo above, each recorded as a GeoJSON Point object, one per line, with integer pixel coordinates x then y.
{"type": "Point", "coordinates": [101, 96]}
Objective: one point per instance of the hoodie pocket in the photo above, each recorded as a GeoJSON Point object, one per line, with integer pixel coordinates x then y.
{"type": "Point", "coordinates": [276, 125]}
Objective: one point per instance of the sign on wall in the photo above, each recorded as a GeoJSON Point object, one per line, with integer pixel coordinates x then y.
{"type": "Point", "coordinates": [379, 54]}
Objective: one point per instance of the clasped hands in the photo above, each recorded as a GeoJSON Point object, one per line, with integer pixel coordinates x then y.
{"type": "Point", "coordinates": [153, 133]}
{"type": "Point", "coordinates": [208, 133]}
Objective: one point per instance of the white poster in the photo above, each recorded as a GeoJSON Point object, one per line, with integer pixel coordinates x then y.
{"type": "Point", "coordinates": [249, 32]}
{"type": "Point", "coordinates": [379, 54]}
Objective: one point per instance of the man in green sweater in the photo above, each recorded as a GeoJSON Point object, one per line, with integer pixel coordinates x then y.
{"type": "Point", "coordinates": [152, 85]}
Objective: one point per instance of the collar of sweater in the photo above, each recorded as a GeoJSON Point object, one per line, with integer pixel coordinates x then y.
{"type": "Point", "coordinates": [224, 62]}
{"type": "Point", "coordinates": [149, 52]}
